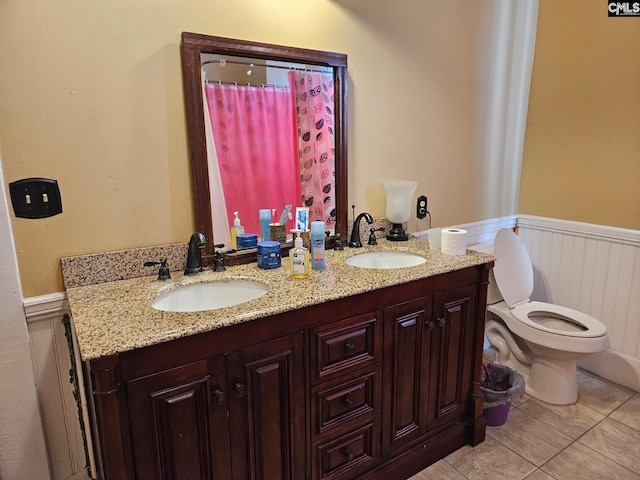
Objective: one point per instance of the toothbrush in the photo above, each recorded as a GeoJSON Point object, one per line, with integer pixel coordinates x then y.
{"type": "Point", "coordinates": [286, 214]}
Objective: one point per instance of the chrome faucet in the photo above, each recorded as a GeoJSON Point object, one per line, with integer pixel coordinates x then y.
{"type": "Point", "coordinates": [194, 260]}
{"type": "Point", "coordinates": [355, 231]}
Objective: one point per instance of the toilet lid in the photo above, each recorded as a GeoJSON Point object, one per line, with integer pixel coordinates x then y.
{"type": "Point", "coordinates": [513, 270]}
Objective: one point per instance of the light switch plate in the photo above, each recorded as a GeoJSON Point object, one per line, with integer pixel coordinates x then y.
{"type": "Point", "coordinates": [35, 197]}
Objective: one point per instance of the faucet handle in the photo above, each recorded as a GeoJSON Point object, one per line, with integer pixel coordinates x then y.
{"type": "Point", "coordinates": [338, 242]}
{"type": "Point", "coordinates": [218, 264]}
{"type": "Point", "coordinates": [163, 272]}
{"type": "Point", "coordinates": [372, 235]}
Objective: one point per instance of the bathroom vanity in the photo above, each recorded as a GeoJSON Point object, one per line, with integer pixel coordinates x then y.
{"type": "Point", "coordinates": [353, 373]}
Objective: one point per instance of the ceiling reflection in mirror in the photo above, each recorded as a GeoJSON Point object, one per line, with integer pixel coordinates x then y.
{"type": "Point", "coordinates": [267, 131]}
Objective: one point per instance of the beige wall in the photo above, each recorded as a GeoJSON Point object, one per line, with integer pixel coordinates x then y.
{"type": "Point", "coordinates": [582, 151]}
{"type": "Point", "coordinates": [91, 94]}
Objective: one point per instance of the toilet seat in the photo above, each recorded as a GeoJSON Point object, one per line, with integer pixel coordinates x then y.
{"type": "Point", "coordinates": [577, 324]}
{"type": "Point", "coordinates": [513, 273]}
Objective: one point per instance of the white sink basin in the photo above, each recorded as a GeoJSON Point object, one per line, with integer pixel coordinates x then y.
{"type": "Point", "coordinates": [386, 260]}
{"type": "Point", "coordinates": [209, 296]}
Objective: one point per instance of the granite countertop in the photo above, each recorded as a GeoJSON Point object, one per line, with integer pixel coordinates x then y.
{"type": "Point", "coordinates": [117, 316]}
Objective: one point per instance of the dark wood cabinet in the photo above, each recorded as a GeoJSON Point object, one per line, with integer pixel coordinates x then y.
{"type": "Point", "coordinates": [374, 386]}
{"type": "Point", "coordinates": [233, 416]}
{"type": "Point", "coordinates": [179, 424]}
{"type": "Point", "coordinates": [451, 355]}
{"type": "Point", "coordinates": [429, 357]}
{"type": "Point", "coordinates": [407, 351]}
{"type": "Point", "coordinates": [267, 410]}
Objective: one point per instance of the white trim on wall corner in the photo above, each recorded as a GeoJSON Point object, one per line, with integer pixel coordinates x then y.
{"type": "Point", "coordinates": [45, 306]}
{"type": "Point", "coordinates": [53, 362]}
{"type": "Point", "coordinates": [587, 230]}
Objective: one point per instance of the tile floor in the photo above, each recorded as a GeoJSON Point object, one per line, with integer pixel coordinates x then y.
{"type": "Point", "coordinates": [597, 438]}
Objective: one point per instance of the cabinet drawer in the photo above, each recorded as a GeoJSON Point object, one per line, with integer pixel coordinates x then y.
{"type": "Point", "coordinates": [345, 456]}
{"type": "Point", "coordinates": [345, 346]}
{"type": "Point", "coordinates": [339, 403]}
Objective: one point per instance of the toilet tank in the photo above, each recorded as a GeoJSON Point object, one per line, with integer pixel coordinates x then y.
{"type": "Point", "coordinates": [493, 294]}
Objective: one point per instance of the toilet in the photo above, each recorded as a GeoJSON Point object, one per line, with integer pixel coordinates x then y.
{"type": "Point", "coordinates": [540, 340]}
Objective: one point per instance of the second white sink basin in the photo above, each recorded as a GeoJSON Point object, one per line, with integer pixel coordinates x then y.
{"type": "Point", "coordinates": [209, 296]}
{"type": "Point", "coordinates": [386, 260]}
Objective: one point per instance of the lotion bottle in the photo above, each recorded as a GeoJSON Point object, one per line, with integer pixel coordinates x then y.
{"type": "Point", "coordinates": [299, 261]}
{"type": "Point", "coordinates": [317, 245]}
{"type": "Point", "coordinates": [235, 230]}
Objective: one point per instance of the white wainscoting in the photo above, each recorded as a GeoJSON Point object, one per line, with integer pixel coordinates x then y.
{"type": "Point", "coordinates": [52, 360]}
{"type": "Point", "coordinates": [594, 269]}
{"type": "Point", "coordinates": [480, 232]}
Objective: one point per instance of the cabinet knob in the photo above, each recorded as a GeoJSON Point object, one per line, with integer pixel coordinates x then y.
{"type": "Point", "coordinates": [351, 348]}
{"type": "Point", "coordinates": [430, 325]}
{"type": "Point", "coordinates": [348, 401]}
{"type": "Point", "coordinates": [441, 321]}
{"type": "Point", "coordinates": [240, 390]}
{"type": "Point", "coordinates": [219, 397]}
{"type": "Point", "coordinates": [349, 454]}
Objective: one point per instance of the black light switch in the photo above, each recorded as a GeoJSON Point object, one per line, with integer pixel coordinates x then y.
{"type": "Point", "coordinates": [35, 197]}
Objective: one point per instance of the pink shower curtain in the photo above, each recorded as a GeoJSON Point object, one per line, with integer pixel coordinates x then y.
{"type": "Point", "coordinates": [315, 101]}
{"type": "Point", "coordinates": [254, 130]}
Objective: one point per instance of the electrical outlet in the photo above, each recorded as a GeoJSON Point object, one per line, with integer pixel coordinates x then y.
{"type": "Point", "coordinates": [35, 197]}
{"type": "Point", "coordinates": [421, 207]}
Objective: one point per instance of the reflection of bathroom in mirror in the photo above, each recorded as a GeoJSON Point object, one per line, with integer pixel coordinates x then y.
{"type": "Point", "coordinates": [267, 129]}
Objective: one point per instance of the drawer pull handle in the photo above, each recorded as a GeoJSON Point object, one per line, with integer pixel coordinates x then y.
{"type": "Point", "coordinates": [441, 321]}
{"type": "Point", "coordinates": [348, 454]}
{"type": "Point", "coordinates": [219, 397]}
{"type": "Point", "coordinates": [240, 390]}
{"type": "Point", "coordinates": [351, 348]}
{"type": "Point", "coordinates": [348, 401]}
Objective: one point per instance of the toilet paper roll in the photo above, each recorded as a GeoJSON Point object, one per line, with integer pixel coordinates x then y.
{"type": "Point", "coordinates": [453, 241]}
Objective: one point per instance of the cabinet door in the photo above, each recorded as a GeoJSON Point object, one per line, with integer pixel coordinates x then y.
{"type": "Point", "coordinates": [267, 410]}
{"type": "Point", "coordinates": [451, 355]}
{"type": "Point", "coordinates": [406, 370]}
{"type": "Point", "coordinates": [179, 424]}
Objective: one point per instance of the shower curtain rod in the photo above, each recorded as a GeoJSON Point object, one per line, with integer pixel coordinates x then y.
{"type": "Point", "coordinates": [223, 62]}
{"type": "Point", "coordinates": [246, 84]}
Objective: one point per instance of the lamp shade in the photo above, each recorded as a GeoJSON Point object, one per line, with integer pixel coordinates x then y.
{"type": "Point", "coordinates": [399, 196]}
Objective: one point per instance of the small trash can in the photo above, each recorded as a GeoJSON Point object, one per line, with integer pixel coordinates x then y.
{"type": "Point", "coordinates": [499, 384]}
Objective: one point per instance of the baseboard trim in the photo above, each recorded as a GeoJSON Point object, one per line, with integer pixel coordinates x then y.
{"type": "Point", "coordinates": [615, 367]}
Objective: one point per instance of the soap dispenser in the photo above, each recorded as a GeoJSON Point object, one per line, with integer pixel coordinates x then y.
{"type": "Point", "coordinates": [235, 230]}
{"type": "Point", "coordinates": [299, 261]}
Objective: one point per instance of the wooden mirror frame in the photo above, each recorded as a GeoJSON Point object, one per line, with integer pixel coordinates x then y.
{"type": "Point", "coordinates": [193, 46]}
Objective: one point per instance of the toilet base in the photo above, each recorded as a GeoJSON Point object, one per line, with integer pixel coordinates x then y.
{"type": "Point", "coordinates": [550, 375]}
{"type": "Point", "coordinates": [553, 381]}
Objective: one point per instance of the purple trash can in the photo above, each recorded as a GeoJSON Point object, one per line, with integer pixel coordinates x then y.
{"type": "Point", "coordinates": [499, 384]}
{"type": "Point", "coordinates": [496, 416]}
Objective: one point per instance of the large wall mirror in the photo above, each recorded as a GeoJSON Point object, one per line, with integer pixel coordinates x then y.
{"type": "Point", "coordinates": [291, 149]}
